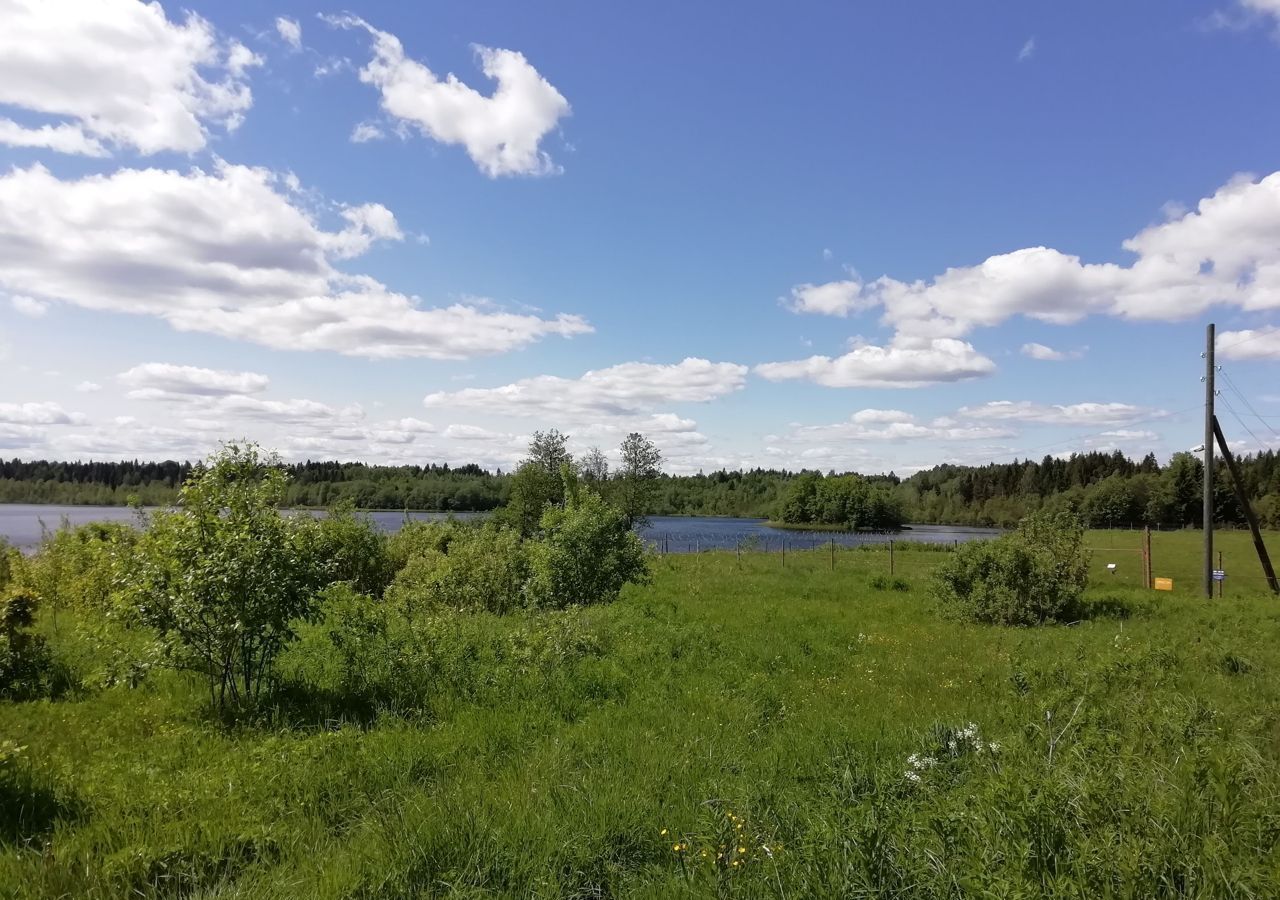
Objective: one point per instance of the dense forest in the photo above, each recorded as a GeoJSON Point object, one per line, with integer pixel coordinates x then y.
{"type": "Point", "coordinates": [843, 501]}
{"type": "Point", "coordinates": [1109, 489]}
{"type": "Point", "coordinates": [436, 487]}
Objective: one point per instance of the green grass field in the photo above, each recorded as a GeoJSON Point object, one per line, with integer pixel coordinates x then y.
{"type": "Point", "coordinates": [737, 728]}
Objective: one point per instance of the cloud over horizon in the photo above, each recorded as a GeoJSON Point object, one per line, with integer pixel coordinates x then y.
{"type": "Point", "coordinates": [248, 264]}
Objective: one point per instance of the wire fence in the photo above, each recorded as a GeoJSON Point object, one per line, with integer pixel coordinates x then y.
{"type": "Point", "coordinates": [1116, 555]}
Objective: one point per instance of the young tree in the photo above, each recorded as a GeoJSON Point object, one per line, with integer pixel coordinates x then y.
{"type": "Point", "coordinates": [548, 452]}
{"type": "Point", "coordinates": [224, 578]}
{"type": "Point", "coordinates": [637, 477]}
{"type": "Point", "coordinates": [585, 554]}
{"type": "Point", "coordinates": [537, 483]}
{"type": "Point", "coordinates": [594, 467]}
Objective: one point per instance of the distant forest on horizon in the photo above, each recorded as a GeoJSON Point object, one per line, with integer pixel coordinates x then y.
{"type": "Point", "coordinates": [1108, 489]}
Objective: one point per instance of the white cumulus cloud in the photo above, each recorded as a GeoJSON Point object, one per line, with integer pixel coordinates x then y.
{"type": "Point", "coordinates": [39, 414]}
{"type": "Point", "coordinates": [1251, 343]}
{"type": "Point", "coordinates": [160, 380]}
{"type": "Point", "coordinates": [227, 252]}
{"type": "Point", "coordinates": [1048, 354]}
{"type": "Point", "coordinates": [1225, 252]}
{"type": "Point", "coordinates": [1088, 413]}
{"type": "Point", "coordinates": [890, 425]}
{"type": "Point", "coordinates": [899, 365]}
{"type": "Point", "coordinates": [835, 298]}
{"type": "Point", "coordinates": [117, 73]}
{"type": "Point", "coordinates": [501, 132]}
{"type": "Point", "coordinates": [623, 389]}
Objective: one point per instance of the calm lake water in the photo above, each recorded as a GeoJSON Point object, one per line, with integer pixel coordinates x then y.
{"type": "Point", "coordinates": [22, 524]}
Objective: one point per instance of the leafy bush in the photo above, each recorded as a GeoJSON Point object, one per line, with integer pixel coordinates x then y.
{"type": "Point", "coordinates": [77, 568]}
{"type": "Point", "coordinates": [349, 657]}
{"type": "Point", "coordinates": [26, 666]}
{"type": "Point", "coordinates": [225, 578]}
{"type": "Point", "coordinates": [417, 538]}
{"type": "Point", "coordinates": [1033, 576]}
{"type": "Point", "coordinates": [344, 546]}
{"type": "Point", "coordinates": [10, 561]}
{"type": "Point", "coordinates": [585, 555]}
{"type": "Point", "coordinates": [480, 569]}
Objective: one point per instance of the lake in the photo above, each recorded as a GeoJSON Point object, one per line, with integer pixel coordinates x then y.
{"type": "Point", "coordinates": [22, 524]}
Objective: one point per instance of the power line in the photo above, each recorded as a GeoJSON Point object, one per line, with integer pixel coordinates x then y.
{"type": "Point", "coordinates": [1253, 337]}
{"type": "Point", "coordinates": [1248, 405]}
{"type": "Point", "coordinates": [1231, 409]}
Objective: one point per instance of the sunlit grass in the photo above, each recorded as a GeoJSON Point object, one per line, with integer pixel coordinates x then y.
{"type": "Point", "coordinates": [734, 703]}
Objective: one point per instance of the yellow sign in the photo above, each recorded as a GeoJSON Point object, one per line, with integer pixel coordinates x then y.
{"type": "Point", "coordinates": [1163, 584]}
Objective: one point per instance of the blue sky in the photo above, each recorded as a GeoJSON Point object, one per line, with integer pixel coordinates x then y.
{"type": "Point", "coordinates": [857, 236]}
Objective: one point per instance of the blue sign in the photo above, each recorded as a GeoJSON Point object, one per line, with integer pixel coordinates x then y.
{"type": "Point", "coordinates": [1219, 575]}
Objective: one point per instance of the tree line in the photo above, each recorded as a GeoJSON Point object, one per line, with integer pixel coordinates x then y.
{"type": "Point", "coordinates": [1106, 489]}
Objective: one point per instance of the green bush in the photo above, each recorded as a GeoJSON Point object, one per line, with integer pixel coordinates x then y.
{"type": "Point", "coordinates": [417, 538]}
{"type": "Point", "coordinates": [225, 578]}
{"type": "Point", "coordinates": [26, 665]}
{"type": "Point", "coordinates": [1035, 575]}
{"type": "Point", "coordinates": [479, 569]}
{"type": "Point", "coordinates": [585, 555]}
{"type": "Point", "coordinates": [350, 657]}
{"type": "Point", "coordinates": [344, 546]}
{"type": "Point", "coordinates": [10, 561]}
{"type": "Point", "coordinates": [78, 568]}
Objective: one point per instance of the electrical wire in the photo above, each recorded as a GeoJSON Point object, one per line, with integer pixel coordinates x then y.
{"type": "Point", "coordinates": [1257, 334]}
{"type": "Point", "coordinates": [1263, 419]}
{"type": "Point", "coordinates": [1231, 409]}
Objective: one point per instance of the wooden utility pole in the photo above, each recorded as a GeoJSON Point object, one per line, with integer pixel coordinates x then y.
{"type": "Point", "coordinates": [1242, 498]}
{"type": "Point", "coordinates": [1146, 557]}
{"type": "Point", "coordinates": [1208, 461]}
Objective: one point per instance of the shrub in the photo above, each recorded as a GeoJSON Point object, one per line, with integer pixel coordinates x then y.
{"type": "Point", "coordinates": [10, 560]}
{"type": "Point", "coordinates": [77, 568]}
{"type": "Point", "coordinates": [225, 578]}
{"type": "Point", "coordinates": [417, 538]}
{"type": "Point", "coordinates": [1033, 576]}
{"type": "Point", "coordinates": [348, 655]}
{"type": "Point", "coordinates": [26, 666]}
{"type": "Point", "coordinates": [344, 546]}
{"type": "Point", "coordinates": [585, 555]}
{"type": "Point", "coordinates": [480, 569]}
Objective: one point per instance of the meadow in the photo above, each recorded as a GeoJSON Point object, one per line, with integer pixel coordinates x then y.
{"type": "Point", "coordinates": [740, 727]}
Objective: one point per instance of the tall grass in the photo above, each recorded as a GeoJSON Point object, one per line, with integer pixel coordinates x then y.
{"type": "Point", "coordinates": [737, 728]}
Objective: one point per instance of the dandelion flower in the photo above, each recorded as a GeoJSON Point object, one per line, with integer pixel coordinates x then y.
{"type": "Point", "coordinates": [663, 832]}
